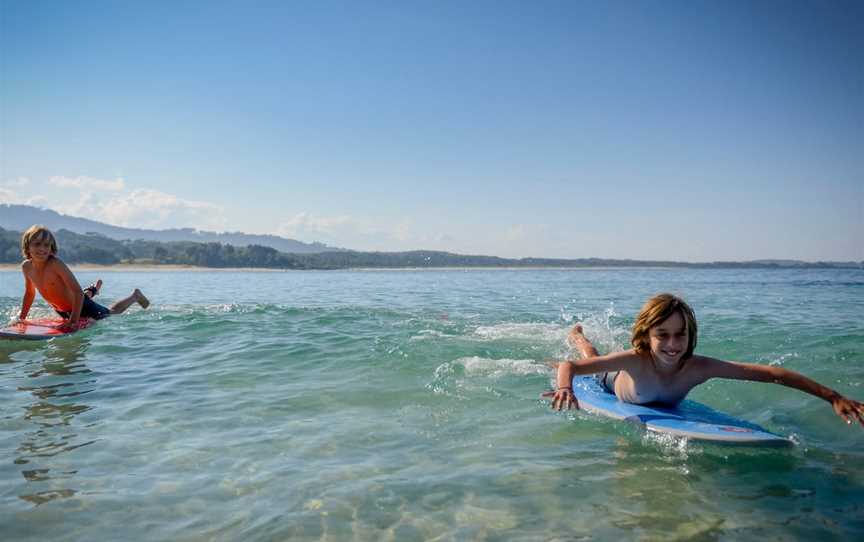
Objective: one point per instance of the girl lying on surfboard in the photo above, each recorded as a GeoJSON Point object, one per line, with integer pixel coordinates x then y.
{"type": "Point", "coordinates": [662, 368]}
{"type": "Point", "coordinates": [45, 272]}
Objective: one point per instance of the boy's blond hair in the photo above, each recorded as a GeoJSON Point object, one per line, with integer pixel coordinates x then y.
{"type": "Point", "coordinates": [655, 311]}
{"type": "Point", "coordinates": [37, 232]}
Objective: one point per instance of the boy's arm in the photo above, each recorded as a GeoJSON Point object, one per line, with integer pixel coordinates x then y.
{"type": "Point", "coordinates": [71, 283]}
{"type": "Point", "coordinates": [848, 409]}
{"type": "Point", "coordinates": [29, 296]}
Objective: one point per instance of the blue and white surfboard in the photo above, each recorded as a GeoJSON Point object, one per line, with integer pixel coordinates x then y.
{"type": "Point", "coordinates": [689, 419]}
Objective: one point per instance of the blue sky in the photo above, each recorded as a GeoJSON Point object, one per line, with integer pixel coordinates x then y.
{"type": "Point", "coordinates": [692, 130]}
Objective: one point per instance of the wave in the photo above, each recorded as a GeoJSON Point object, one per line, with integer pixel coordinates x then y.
{"type": "Point", "coordinates": [528, 332]}
{"type": "Point", "coordinates": [464, 377]}
{"type": "Point", "coordinates": [478, 366]}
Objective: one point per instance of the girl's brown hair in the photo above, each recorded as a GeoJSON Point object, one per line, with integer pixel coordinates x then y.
{"type": "Point", "coordinates": [655, 311]}
{"type": "Point", "coordinates": [34, 233]}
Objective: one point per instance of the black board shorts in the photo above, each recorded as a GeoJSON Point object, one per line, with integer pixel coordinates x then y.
{"type": "Point", "coordinates": [607, 380]}
{"type": "Point", "coordinates": [90, 309]}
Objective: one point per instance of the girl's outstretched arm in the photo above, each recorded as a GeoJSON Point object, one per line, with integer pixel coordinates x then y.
{"type": "Point", "coordinates": [592, 362]}
{"type": "Point", "coordinates": [848, 409]}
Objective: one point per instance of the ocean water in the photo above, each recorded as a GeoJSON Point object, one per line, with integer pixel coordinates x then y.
{"type": "Point", "coordinates": [404, 405]}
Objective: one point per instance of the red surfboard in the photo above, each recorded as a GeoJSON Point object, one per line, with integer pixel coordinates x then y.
{"type": "Point", "coordinates": [41, 329]}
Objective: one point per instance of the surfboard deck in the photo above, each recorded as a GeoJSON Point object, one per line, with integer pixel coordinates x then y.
{"type": "Point", "coordinates": [40, 329]}
{"type": "Point", "coordinates": [689, 419]}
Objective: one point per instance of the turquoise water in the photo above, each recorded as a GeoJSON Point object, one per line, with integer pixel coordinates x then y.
{"type": "Point", "coordinates": [404, 405]}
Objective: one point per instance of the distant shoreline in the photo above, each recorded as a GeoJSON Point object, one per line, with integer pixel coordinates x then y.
{"type": "Point", "coordinates": [140, 268]}
{"type": "Point", "coordinates": [135, 267]}
{"type": "Point", "coordinates": [131, 268]}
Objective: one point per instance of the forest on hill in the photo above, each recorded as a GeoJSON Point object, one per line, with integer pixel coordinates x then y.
{"type": "Point", "coordinates": [91, 248]}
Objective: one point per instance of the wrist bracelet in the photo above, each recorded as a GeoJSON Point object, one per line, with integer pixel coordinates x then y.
{"type": "Point", "coordinates": [565, 388]}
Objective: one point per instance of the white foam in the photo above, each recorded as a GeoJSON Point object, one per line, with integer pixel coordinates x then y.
{"type": "Point", "coordinates": [601, 330]}
{"type": "Point", "coordinates": [477, 366]}
{"type": "Point", "coordinates": [780, 361]}
{"type": "Point", "coordinates": [531, 332]}
{"type": "Point", "coordinates": [428, 334]}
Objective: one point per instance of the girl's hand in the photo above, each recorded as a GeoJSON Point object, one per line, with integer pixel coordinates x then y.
{"type": "Point", "coordinates": [848, 409]}
{"type": "Point", "coordinates": [562, 397]}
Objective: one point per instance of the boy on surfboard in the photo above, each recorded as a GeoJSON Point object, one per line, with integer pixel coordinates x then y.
{"type": "Point", "coordinates": [45, 272]}
{"type": "Point", "coordinates": [662, 368]}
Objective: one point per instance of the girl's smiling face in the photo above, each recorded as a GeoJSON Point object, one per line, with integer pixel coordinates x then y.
{"type": "Point", "coordinates": [669, 340]}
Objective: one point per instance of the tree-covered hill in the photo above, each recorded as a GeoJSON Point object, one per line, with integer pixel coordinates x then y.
{"type": "Point", "coordinates": [97, 249]}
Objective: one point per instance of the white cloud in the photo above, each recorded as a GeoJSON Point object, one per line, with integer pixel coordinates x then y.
{"type": "Point", "coordinates": [520, 233]}
{"type": "Point", "coordinates": [20, 182]}
{"type": "Point", "coordinates": [303, 225]}
{"type": "Point", "coordinates": [15, 191]}
{"type": "Point", "coordinates": [88, 183]}
{"type": "Point", "coordinates": [517, 232]}
{"type": "Point", "coordinates": [114, 202]}
{"type": "Point", "coordinates": [146, 208]}
{"type": "Point", "coordinates": [362, 233]}
{"type": "Point", "coordinates": [36, 201]}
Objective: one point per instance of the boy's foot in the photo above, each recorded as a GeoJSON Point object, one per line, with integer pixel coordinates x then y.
{"type": "Point", "coordinates": [139, 297]}
{"type": "Point", "coordinates": [93, 290]}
